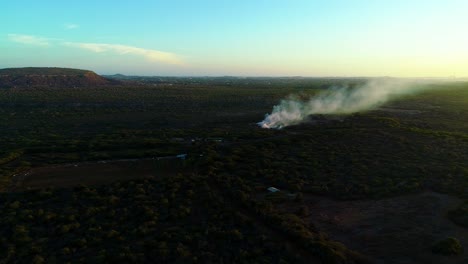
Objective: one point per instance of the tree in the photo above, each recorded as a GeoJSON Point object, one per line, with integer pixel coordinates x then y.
{"type": "Point", "coordinates": [448, 246]}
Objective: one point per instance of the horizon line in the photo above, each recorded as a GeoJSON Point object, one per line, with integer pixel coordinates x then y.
{"type": "Point", "coordinates": [253, 76]}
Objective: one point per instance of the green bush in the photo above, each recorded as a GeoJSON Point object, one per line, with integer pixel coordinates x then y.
{"type": "Point", "coordinates": [448, 246]}
{"type": "Point", "coordinates": [460, 215]}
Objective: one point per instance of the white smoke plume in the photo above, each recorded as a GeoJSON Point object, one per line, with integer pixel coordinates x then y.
{"type": "Point", "coordinates": [338, 100]}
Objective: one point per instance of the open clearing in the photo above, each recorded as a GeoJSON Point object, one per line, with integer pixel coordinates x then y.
{"type": "Point", "coordinates": [392, 230]}
{"type": "Point", "coordinates": [94, 173]}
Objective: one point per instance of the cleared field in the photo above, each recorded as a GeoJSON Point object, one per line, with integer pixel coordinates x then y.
{"type": "Point", "coordinates": [394, 230]}
{"type": "Point", "coordinates": [95, 173]}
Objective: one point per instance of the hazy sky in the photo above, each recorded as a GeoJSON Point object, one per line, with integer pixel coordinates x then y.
{"type": "Point", "coordinates": [252, 37]}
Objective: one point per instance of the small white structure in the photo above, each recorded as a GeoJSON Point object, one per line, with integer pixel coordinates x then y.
{"type": "Point", "coordinates": [273, 189]}
{"type": "Point", "coordinates": [182, 156]}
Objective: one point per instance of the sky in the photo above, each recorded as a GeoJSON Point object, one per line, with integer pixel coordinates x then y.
{"type": "Point", "coordinates": [411, 38]}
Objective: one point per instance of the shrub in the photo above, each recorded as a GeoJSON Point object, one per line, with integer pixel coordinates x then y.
{"type": "Point", "coordinates": [448, 246]}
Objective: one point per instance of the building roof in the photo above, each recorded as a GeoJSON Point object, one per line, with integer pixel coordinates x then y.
{"type": "Point", "coordinates": [273, 189]}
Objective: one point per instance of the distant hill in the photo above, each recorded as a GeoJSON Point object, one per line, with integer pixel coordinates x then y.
{"type": "Point", "coordinates": [50, 77]}
{"type": "Point", "coordinates": [119, 76]}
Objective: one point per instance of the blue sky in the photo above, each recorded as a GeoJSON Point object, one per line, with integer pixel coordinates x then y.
{"type": "Point", "coordinates": [248, 38]}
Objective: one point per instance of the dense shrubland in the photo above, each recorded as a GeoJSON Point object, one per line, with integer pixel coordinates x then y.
{"type": "Point", "coordinates": [219, 212]}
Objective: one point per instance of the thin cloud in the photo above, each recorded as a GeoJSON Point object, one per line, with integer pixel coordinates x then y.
{"type": "Point", "coordinates": [29, 39]}
{"type": "Point", "coordinates": [149, 54]}
{"type": "Point", "coordinates": [152, 55]}
{"type": "Point", "coordinates": [71, 26]}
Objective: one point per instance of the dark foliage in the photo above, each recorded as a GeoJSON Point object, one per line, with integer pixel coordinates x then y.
{"type": "Point", "coordinates": [217, 210]}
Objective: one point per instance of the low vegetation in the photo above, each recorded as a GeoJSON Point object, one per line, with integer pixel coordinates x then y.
{"type": "Point", "coordinates": [448, 246]}
{"type": "Point", "coordinates": [460, 215]}
{"type": "Point", "coordinates": [219, 209]}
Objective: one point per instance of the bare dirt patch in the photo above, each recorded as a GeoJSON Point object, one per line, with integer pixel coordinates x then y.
{"type": "Point", "coordinates": [394, 230]}
{"type": "Point", "coordinates": [94, 173]}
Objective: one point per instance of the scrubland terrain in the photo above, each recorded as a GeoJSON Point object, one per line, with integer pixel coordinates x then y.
{"type": "Point", "coordinates": [92, 174]}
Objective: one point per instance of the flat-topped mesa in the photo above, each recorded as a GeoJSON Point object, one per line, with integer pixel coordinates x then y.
{"type": "Point", "coordinates": [50, 77]}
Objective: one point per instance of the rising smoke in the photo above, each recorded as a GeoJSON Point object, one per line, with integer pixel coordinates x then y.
{"type": "Point", "coordinates": [338, 100]}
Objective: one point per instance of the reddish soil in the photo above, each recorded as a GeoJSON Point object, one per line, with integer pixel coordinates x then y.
{"type": "Point", "coordinates": [94, 173]}
{"type": "Point", "coordinates": [393, 230]}
{"type": "Point", "coordinates": [50, 77]}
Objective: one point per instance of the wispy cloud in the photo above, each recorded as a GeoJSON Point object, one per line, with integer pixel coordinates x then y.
{"type": "Point", "coordinates": [150, 54]}
{"type": "Point", "coordinates": [71, 26]}
{"type": "Point", "coordinates": [29, 39]}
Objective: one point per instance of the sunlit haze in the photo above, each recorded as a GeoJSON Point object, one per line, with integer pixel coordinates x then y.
{"type": "Point", "coordinates": [244, 38]}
